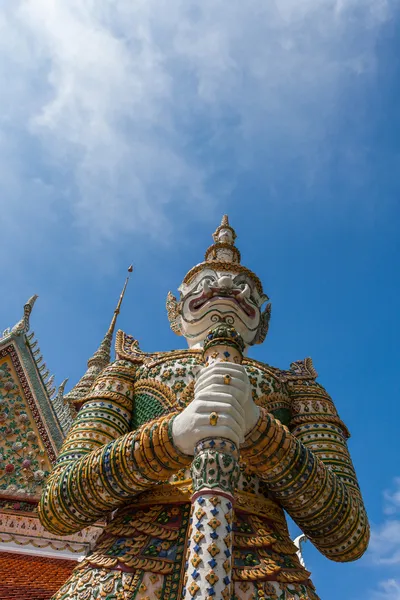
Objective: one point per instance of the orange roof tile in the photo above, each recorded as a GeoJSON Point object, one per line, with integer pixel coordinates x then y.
{"type": "Point", "coordinates": [25, 577]}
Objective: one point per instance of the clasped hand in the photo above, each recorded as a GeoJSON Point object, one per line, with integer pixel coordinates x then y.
{"type": "Point", "coordinates": [223, 389]}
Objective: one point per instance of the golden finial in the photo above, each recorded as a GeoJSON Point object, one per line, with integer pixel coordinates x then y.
{"type": "Point", "coordinates": [225, 221]}
{"type": "Point", "coordinates": [224, 248]}
{"type": "Point", "coordinates": [224, 232]}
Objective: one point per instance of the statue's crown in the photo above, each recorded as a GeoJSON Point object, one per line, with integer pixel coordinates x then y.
{"type": "Point", "coordinates": [223, 255]}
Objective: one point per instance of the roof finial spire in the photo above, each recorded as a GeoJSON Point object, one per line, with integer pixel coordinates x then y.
{"type": "Point", "coordinates": [108, 337]}
{"type": "Point", "coordinates": [101, 358]}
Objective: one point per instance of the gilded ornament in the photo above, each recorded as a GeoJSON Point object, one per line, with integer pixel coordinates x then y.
{"type": "Point", "coordinates": [213, 418]}
{"type": "Point", "coordinates": [173, 313]}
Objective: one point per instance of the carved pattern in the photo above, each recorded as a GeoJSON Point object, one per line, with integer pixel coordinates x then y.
{"type": "Point", "coordinates": [299, 419]}
{"type": "Point", "coordinates": [127, 347]}
{"type": "Point", "coordinates": [212, 252]}
{"type": "Point", "coordinates": [27, 530]}
{"type": "Point", "coordinates": [300, 369]}
{"type": "Point", "coordinates": [215, 466]}
{"type": "Point", "coordinates": [89, 584]}
{"type": "Point", "coordinates": [264, 325]}
{"type": "Point", "coordinates": [173, 313]}
{"type": "Point", "coordinates": [10, 350]}
{"type": "Point", "coordinates": [224, 266]}
{"type": "Point", "coordinates": [160, 390]}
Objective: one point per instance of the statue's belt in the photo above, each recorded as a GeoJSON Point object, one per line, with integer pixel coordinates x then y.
{"type": "Point", "coordinates": [181, 491]}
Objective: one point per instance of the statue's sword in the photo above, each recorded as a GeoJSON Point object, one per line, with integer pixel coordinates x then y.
{"type": "Point", "coordinates": [215, 473]}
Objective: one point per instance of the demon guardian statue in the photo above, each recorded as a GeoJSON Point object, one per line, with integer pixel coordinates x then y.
{"type": "Point", "coordinates": [128, 456]}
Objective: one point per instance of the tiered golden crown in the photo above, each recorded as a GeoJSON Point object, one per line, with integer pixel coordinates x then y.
{"type": "Point", "coordinates": [223, 255]}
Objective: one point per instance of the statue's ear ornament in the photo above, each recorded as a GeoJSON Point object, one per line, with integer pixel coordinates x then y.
{"type": "Point", "coordinates": [174, 316]}
{"type": "Point", "coordinates": [264, 325]}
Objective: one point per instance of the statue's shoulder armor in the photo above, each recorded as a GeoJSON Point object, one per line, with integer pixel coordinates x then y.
{"type": "Point", "coordinates": [300, 370]}
{"type": "Point", "coordinates": [266, 369]}
{"type": "Point", "coordinates": [127, 348]}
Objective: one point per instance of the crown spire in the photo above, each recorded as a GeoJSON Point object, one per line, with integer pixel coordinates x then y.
{"type": "Point", "coordinates": [224, 225]}
{"type": "Point", "coordinates": [100, 359]}
{"type": "Point", "coordinates": [225, 221]}
{"type": "Point", "coordinates": [224, 248]}
{"type": "Point", "coordinates": [222, 255]}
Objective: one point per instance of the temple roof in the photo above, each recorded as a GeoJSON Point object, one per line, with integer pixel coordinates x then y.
{"type": "Point", "coordinates": [33, 422]}
{"type": "Point", "coordinates": [34, 417]}
{"type": "Point", "coordinates": [32, 577]}
{"type": "Point", "coordinates": [24, 339]}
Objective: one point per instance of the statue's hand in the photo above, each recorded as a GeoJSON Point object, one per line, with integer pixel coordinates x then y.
{"type": "Point", "coordinates": [232, 402]}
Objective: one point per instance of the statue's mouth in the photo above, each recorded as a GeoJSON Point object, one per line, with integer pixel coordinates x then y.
{"type": "Point", "coordinates": [234, 296]}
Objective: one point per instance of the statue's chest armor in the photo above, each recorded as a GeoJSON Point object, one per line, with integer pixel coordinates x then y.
{"type": "Point", "coordinates": [167, 384]}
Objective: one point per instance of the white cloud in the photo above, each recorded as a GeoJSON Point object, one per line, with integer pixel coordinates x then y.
{"type": "Point", "coordinates": [133, 106]}
{"type": "Point", "coordinates": [388, 590]}
{"type": "Point", "coordinates": [384, 548]}
{"type": "Point", "coordinates": [392, 498]}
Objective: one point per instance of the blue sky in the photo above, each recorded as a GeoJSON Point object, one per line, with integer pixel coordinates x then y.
{"type": "Point", "coordinates": [126, 131]}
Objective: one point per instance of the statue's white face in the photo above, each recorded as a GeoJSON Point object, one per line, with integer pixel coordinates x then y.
{"type": "Point", "coordinates": [214, 296]}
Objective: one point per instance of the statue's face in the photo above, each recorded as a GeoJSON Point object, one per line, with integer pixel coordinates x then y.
{"type": "Point", "coordinates": [214, 296]}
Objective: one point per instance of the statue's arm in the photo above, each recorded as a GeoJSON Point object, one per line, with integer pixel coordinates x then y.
{"type": "Point", "coordinates": [102, 463]}
{"type": "Point", "coordinates": [309, 470]}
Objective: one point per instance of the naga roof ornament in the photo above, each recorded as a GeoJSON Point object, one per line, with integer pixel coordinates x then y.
{"type": "Point", "coordinates": [100, 359]}
{"type": "Point", "coordinates": [23, 325]}
{"type": "Point", "coordinates": [223, 255]}
{"type": "Point", "coordinates": [21, 331]}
